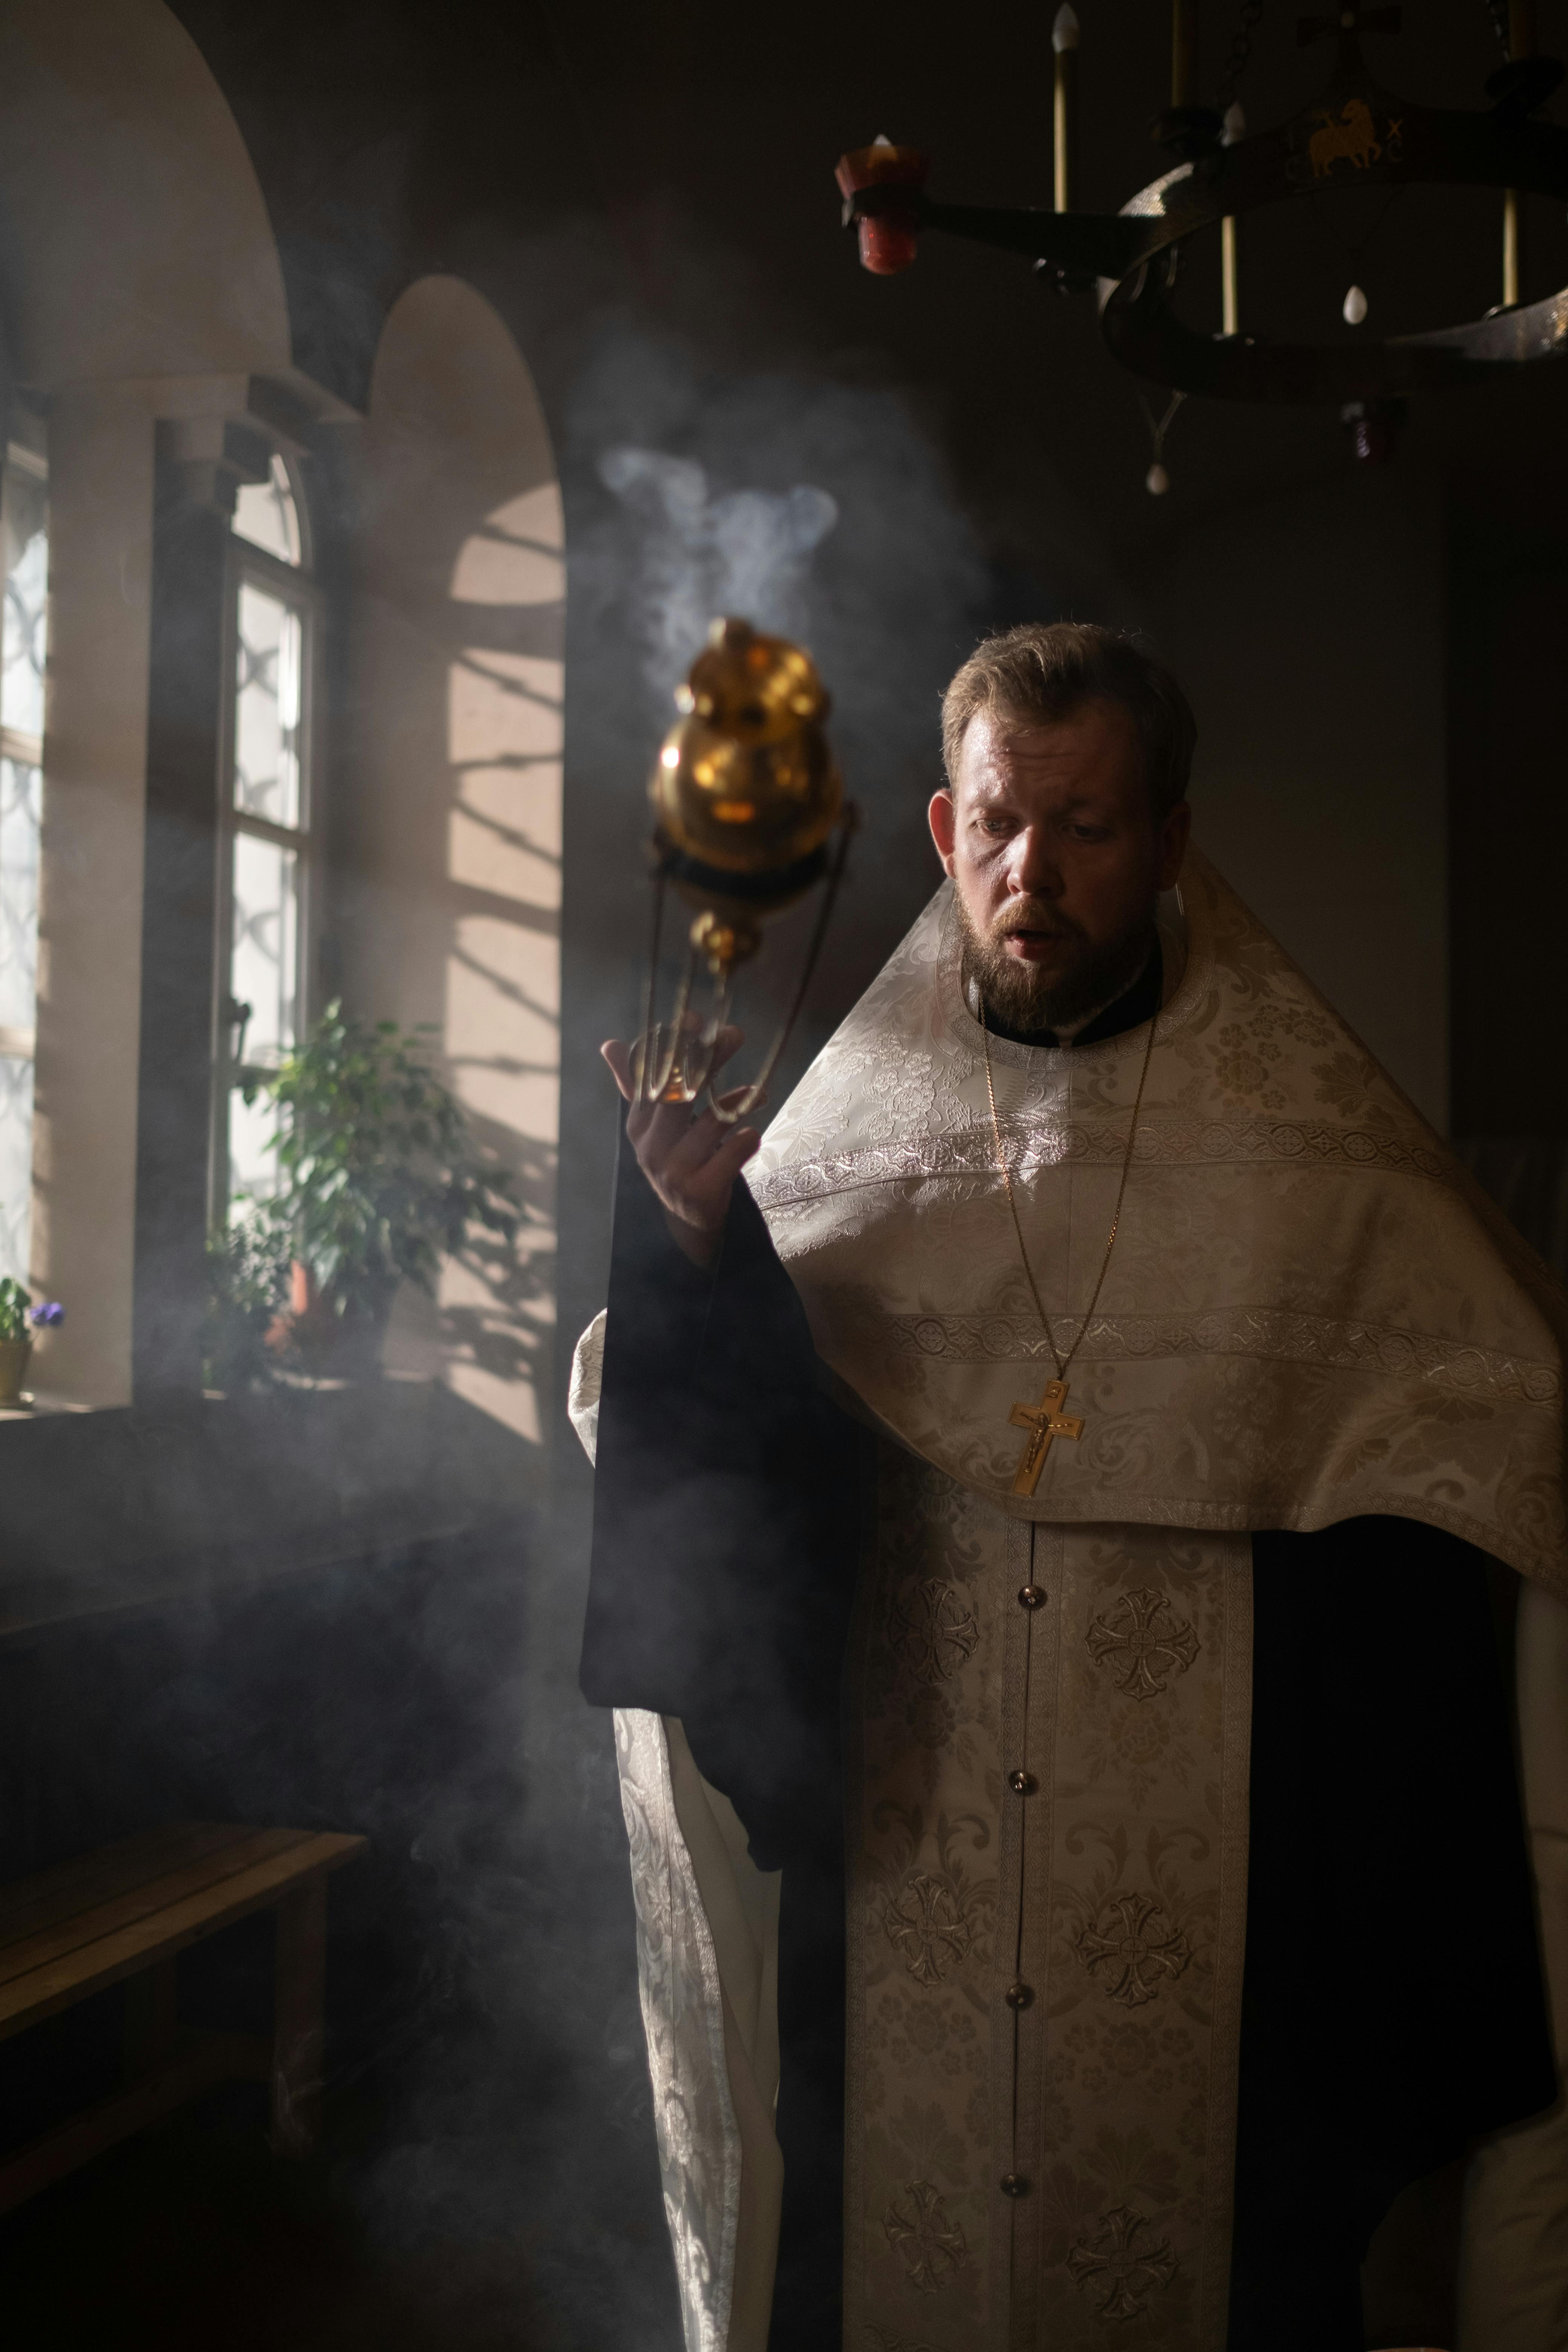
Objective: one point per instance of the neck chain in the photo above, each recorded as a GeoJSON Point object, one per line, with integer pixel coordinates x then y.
{"type": "Point", "coordinates": [1047, 1420]}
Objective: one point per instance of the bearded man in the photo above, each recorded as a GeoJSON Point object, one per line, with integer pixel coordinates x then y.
{"type": "Point", "coordinates": [1052, 1523]}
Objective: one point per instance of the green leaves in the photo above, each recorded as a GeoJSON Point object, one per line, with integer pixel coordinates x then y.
{"type": "Point", "coordinates": [248, 1290]}
{"type": "Point", "coordinates": [380, 1175]}
{"type": "Point", "coordinates": [13, 1304]}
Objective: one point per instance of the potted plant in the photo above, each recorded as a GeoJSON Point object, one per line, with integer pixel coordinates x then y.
{"type": "Point", "coordinates": [379, 1179]}
{"type": "Point", "coordinates": [19, 1321]}
{"type": "Point", "coordinates": [247, 1289]}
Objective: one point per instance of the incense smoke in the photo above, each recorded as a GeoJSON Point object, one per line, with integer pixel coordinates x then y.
{"type": "Point", "coordinates": [811, 506]}
{"type": "Point", "coordinates": [820, 509]}
{"type": "Point", "coordinates": [746, 553]}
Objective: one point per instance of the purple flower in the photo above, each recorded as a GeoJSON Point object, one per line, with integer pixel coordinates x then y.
{"type": "Point", "coordinates": [49, 1314]}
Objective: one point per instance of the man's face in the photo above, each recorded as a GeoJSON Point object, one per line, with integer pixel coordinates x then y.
{"type": "Point", "coordinates": [1057, 861]}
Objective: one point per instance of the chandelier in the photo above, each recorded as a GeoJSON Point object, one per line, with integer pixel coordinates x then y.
{"type": "Point", "coordinates": [1355, 132]}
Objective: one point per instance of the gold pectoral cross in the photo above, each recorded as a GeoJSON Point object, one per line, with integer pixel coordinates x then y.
{"type": "Point", "coordinates": [1043, 1420]}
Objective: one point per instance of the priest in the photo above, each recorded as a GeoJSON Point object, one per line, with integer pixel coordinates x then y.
{"type": "Point", "coordinates": [1066, 1505]}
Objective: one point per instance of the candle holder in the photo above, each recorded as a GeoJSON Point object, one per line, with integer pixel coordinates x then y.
{"type": "Point", "coordinates": [881, 186]}
{"type": "Point", "coordinates": [1356, 133]}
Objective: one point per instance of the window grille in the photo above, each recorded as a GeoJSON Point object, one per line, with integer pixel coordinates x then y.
{"type": "Point", "coordinates": [268, 827]}
{"type": "Point", "coordinates": [24, 644]}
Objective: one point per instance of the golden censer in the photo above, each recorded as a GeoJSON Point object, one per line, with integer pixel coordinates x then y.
{"type": "Point", "coordinates": [749, 816]}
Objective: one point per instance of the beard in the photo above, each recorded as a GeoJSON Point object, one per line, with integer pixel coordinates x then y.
{"type": "Point", "coordinates": [1084, 976]}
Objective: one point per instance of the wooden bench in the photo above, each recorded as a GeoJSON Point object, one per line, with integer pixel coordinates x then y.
{"type": "Point", "coordinates": [124, 1914]}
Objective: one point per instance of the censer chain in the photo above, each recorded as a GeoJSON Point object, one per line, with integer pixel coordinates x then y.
{"type": "Point", "coordinates": [758, 1086]}
{"type": "Point", "coordinates": [674, 1077]}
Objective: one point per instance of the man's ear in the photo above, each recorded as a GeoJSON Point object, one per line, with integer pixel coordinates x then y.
{"type": "Point", "coordinates": [943, 820]}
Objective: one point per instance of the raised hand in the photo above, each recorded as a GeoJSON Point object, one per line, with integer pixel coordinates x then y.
{"type": "Point", "coordinates": [692, 1163]}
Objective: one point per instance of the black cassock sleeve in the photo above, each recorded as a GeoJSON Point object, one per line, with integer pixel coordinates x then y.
{"type": "Point", "coordinates": [1393, 2004]}
{"type": "Point", "coordinates": [726, 1520]}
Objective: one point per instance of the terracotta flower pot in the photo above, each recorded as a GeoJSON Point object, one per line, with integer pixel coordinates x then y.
{"type": "Point", "coordinates": [329, 1344]}
{"type": "Point", "coordinates": [15, 1356]}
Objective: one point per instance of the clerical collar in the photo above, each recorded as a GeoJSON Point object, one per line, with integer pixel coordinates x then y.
{"type": "Point", "coordinates": [1135, 1006]}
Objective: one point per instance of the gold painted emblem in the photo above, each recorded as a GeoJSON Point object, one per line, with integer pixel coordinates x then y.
{"type": "Point", "coordinates": [1350, 136]}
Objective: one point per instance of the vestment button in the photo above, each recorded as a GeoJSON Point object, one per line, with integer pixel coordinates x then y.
{"type": "Point", "coordinates": [1023, 1784]}
{"type": "Point", "coordinates": [1033, 1596]}
{"type": "Point", "coordinates": [1019, 1995]}
{"type": "Point", "coordinates": [1015, 2185]}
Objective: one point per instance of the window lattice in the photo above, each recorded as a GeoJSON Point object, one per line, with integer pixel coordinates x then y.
{"type": "Point", "coordinates": [24, 630]}
{"type": "Point", "coordinates": [267, 828]}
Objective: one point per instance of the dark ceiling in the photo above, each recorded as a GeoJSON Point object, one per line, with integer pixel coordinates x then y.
{"type": "Point", "coordinates": [674, 164]}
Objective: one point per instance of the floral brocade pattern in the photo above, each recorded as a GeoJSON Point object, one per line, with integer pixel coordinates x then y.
{"type": "Point", "coordinates": [683, 2022]}
{"type": "Point", "coordinates": [1142, 1718]}
{"type": "Point", "coordinates": [922, 1903]}
{"type": "Point", "coordinates": [1312, 1312]}
{"type": "Point", "coordinates": [1127, 1859]}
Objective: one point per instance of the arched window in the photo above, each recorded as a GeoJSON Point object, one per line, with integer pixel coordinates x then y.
{"type": "Point", "coordinates": [25, 564]}
{"type": "Point", "coordinates": [266, 514]}
{"type": "Point", "coordinates": [267, 893]}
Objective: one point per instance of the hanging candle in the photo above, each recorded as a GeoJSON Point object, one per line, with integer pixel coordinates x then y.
{"type": "Point", "coordinates": [1156, 481]}
{"type": "Point", "coordinates": [1353, 307]}
{"type": "Point", "coordinates": [887, 237]}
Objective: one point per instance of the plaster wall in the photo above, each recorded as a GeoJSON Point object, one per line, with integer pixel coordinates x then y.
{"type": "Point", "coordinates": [140, 280]}
{"type": "Point", "coordinates": [136, 241]}
{"type": "Point", "coordinates": [89, 924]}
{"type": "Point", "coordinates": [449, 827]}
{"type": "Point", "coordinates": [1309, 630]}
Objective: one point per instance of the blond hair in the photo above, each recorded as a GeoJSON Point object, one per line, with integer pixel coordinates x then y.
{"type": "Point", "coordinates": [1046, 670]}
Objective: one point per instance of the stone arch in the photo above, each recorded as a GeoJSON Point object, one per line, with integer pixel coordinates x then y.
{"type": "Point", "coordinates": [136, 239]}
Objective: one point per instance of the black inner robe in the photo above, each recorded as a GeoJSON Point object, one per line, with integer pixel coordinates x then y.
{"type": "Point", "coordinates": [1393, 2006]}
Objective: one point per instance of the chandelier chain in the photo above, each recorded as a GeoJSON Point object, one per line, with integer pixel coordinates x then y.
{"type": "Point", "coordinates": [1157, 432]}
{"type": "Point", "coordinates": [1356, 247]}
{"type": "Point", "coordinates": [1240, 51]}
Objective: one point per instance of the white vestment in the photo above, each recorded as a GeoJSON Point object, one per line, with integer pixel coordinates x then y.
{"type": "Point", "coordinates": [1310, 1315]}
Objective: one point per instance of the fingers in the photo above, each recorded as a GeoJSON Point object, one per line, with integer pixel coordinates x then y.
{"type": "Point", "coordinates": [691, 1161]}
{"type": "Point", "coordinates": [735, 1151]}
{"type": "Point", "coordinates": [727, 1044]}
{"type": "Point", "coordinates": [618, 1054]}
{"type": "Point", "coordinates": [700, 1194]}
{"type": "Point", "coordinates": [702, 1139]}
{"type": "Point", "coordinates": [666, 1123]}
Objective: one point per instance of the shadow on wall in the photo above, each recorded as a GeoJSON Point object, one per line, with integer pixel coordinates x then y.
{"type": "Point", "coordinates": [451, 833]}
{"type": "Point", "coordinates": [535, 2121]}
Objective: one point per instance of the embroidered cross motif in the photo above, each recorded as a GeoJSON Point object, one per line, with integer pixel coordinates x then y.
{"type": "Point", "coordinates": [933, 1633]}
{"type": "Point", "coordinates": [1113, 2260]}
{"type": "Point", "coordinates": [1146, 1641]}
{"type": "Point", "coordinates": [1134, 1943]}
{"type": "Point", "coordinates": [931, 2246]}
{"type": "Point", "coordinates": [1043, 1420]}
{"type": "Point", "coordinates": [925, 1922]}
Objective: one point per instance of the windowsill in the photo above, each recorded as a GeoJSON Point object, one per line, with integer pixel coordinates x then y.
{"type": "Point", "coordinates": [38, 1401]}
{"type": "Point", "coordinates": [111, 1510]}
